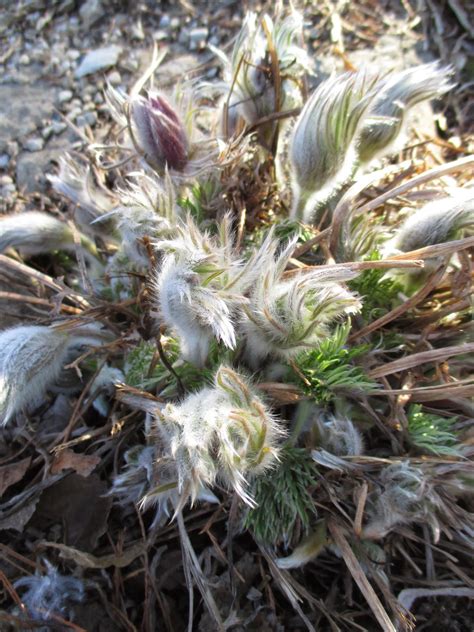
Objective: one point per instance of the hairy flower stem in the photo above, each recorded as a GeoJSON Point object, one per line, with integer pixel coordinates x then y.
{"type": "Point", "coordinates": [302, 413]}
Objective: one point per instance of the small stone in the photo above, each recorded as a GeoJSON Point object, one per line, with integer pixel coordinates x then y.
{"type": "Point", "coordinates": [174, 24]}
{"type": "Point", "coordinates": [64, 96]}
{"type": "Point", "coordinates": [159, 35]}
{"type": "Point", "coordinates": [5, 180]}
{"type": "Point", "coordinates": [91, 12]}
{"type": "Point", "coordinates": [81, 121]}
{"type": "Point", "coordinates": [47, 132]}
{"type": "Point", "coordinates": [165, 21]}
{"type": "Point", "coordinates": [34, 144]}
{"type": "Point", "coordinates": [198, 37]}
{"type": "Point", "coordinates": [114, 78]}
{"type": "Point", "coordinates": [98, 99]}
{"type": "Point", "coordinates": [58, 127]}
{"type": "Point", "coordinates": [98, 59]}
{"type": "Point", "coordinates": [24, 60]}
{"type": "Point", "coordinates": [13, 148]}
{"type": "Point", "coordinates": [73, 54]}
{"type": "Point", "coordinates": [91, 118]}
{"type": "Point", "coordinates": [4, 161]}
{"type": "Point", "coordinates": [8, 190]}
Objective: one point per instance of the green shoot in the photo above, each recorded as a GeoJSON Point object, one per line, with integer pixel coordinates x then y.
{"type": "Point", "coordinates": [431, 433]}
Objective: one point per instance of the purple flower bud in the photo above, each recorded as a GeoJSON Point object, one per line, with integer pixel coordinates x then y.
{"type": "Point", "coordinates": [159, 132]}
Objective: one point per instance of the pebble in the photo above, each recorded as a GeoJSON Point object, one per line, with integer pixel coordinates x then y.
{"type": "Point", "coordinates": [34, 144]}
{"type": "Point", "coordinates": [47, 132]}
{"type": "Point", "coordinates": [12, 148]}
{"type": "Point", "coordinates": [87, 118]}
{"type": "Point", "coordinates": [5, 180]}
{"type": "Point", "coordinates": [98, 59]}
{"type": "Point", "coordinates": [91, 12]}
{"type": "Point", "coordinates": [165, 21]}
{"type": "Point", "coordinates": [174, 24]}
{"type": "Point", "coordinates": [198, 37]}
{"type": "Point", "coordinates": [64, 96]}
{"type": "Point", "coordinates": [24, 60]}
{"type": "Point", "coordinates": [7, 190]}
{"type": "Point", "coordinates": [58, 127]}
{"type": "Point", "coordinates": [4, 161]}
{"type": "Point", "coordinates": [159, 35]}
{"type": "Point", "coordinates": [114, 78]}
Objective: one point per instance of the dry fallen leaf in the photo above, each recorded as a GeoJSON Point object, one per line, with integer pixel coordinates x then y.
{"type": "Point", "coordinates": [83, 464]}
{"type": "Point", "coordinates": [12, 473]}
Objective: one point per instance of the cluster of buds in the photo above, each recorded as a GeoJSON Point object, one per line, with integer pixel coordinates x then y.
{"type": "Point", "coordinates": [349, 120]}
{"type": "Point", "coordinates": [290, 312]}
{"type": "Point", "coordinates": [224, 432]}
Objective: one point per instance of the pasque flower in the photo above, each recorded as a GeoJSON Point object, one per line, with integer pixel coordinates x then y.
{"type": "Point", "coordinates": [33, 233]}
{"type": "Point", "coordinates": [288, 314]}
{"type": "Point", "coordinates": [159, 132]}
{"type": "Point", "coordinates": [323, 149]}
{"type": "Point", "coordinates": [396, 94]}
{"type": "Point", "coordinates": [200, 284]}
{"type": "Point", "coordinates": [32, 358]}
{"type": "Point", "coordinates": [222, 432]}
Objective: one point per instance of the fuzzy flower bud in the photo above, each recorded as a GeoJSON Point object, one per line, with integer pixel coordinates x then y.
{"type": "Point", "coordinates": [222, 432]}
{"type": "Point", "coordinates": [405, 492]}
{"type": "Point", "coordinates": [251, 74]}
{"type": "Point", "coordinates": [288, 315]}
{"type": "Point", "coordinates": [159, 132]}
{"type": "Point", "coordinates": [92, 202]}
{"type": "Point", "coordinates": [397, 94]}
{"type": "Point", "coordinates": [50, 594]}
{"type": "Point", "coordinates": [339, 436]}
{"type": "Point", "coordinates": [200, 285]}
{"type": "Point", "coordinates": [33, 233]}
{"type": "Point", "coordinates": [323, 150]}
{"type": "Point", "coordinates": [435, 223]}
{"type": "Point", "coordinates": [31, 360]}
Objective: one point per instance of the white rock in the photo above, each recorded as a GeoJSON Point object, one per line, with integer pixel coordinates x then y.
{"type": "Point", "coordinates": [64, 96]}
{"type": "Point", "coordinates": [98, 59]}
{"type": "Point", "coordinates": [34, 144]}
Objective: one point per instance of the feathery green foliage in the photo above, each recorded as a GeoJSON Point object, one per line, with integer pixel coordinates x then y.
{"type": "Point", "coordinates": [431, 433]}
{"type": "Point", "coordinates": [283, 498]}
{"type": "Point", "coordinates": [378, 293]}
{"type": "Point", "coordinates": [328, 369]}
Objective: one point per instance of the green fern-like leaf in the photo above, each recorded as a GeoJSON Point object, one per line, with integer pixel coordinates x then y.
{"type": "Point", "coordinates": [431, 433]}
{"type": "Point", "coordinates": [283, 498]}
{"type": "Point", "coordinates": [378, 294]}
{"type": "Point", "coordinates": [328, 369]}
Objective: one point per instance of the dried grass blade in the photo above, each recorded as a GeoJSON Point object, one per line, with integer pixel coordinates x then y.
{"type": "Point", "coordinates": [435, 355]}
{"type": "Point", "coordinates": [360, 578]}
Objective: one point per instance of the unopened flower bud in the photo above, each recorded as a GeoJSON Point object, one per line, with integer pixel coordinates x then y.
{"type": "Point", "coordinates": [398, 93]}
{"type": "Point", "coordinates": [322, 149]}
{"type": "Point", "coordinates": [159, 132]}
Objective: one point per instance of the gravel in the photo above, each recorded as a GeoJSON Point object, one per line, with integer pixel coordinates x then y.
{"type": "Point", "coordinates": [34, 144]}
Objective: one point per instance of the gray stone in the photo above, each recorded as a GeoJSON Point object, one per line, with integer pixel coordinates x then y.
{"type": "Point", "coordinates": [47, 132]}
{"type": "Point", "coordinates": [34, 144]}
{"type": "Point", "coordinates": [114, 78]}
{"type": "Point", "coordinates": [4, 161]}
{"type": "Point", "coordinates": [198, 37]}
{"type": "Point", "coordinates": [58, 127]}
{"type": "Point", "coordinates": [64, 96]}
{"type": "Point", "coordinates": [98, 59]}
{"type": "Point", "coordinates": [24, 60]}
{"type": "Point", "coordinates": [165, 21]}
{"type": "Point", "coordinates": [8, 190]}
{"type": "Point", "coordinates": [91, 12]}
{"type": "Point", "coordinates": [91, 118]}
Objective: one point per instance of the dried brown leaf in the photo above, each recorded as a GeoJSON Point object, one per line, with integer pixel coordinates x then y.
{"type": "Point", "coordinates": [83, 464]}
{"type": "Point", "coordinates": [12, 473]}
